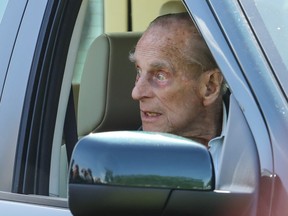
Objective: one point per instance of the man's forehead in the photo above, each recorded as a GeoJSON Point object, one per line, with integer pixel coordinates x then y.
{"type": "Point", "coordinates": [156, 48]}
{"type": "Point", "coordinates": [158, 42]}
{"type": "Point", "coordinates": [154, 58]}
{"type": "Point", "coordinates": [175, 39]}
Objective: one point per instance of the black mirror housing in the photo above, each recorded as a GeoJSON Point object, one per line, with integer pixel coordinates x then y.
{"type": "Point", "coordinates": [134, 173]}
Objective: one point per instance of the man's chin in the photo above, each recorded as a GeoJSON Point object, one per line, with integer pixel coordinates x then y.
{"type": "Point", "coordinates": [153, 128]}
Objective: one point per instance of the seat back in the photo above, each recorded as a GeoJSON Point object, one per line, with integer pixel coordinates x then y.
{"type": "Point", "coordinates": [105, 101]}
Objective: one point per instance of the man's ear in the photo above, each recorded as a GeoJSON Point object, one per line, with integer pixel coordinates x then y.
{"type": "Point", "coordinates": [211, 84]}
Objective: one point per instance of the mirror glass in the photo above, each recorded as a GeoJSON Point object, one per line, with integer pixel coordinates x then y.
{"type": "Point", "coordinates": [141, 159]}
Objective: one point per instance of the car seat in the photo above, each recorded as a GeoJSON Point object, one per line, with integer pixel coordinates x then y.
{"type": "Point", "coordinates": [105, 102]}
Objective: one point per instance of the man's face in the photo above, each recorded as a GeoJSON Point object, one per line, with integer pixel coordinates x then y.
{"type": "Point", "coordinates": [169, 99]}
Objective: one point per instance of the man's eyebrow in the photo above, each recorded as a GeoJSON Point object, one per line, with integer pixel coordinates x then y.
{"type": "Point", "coordinates": [158, 64]}
{"type": "Point", "coordinates": [162, 64]}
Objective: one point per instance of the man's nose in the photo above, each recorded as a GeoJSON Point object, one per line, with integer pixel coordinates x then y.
{"type": "Point", "coordinates": [141, 89]}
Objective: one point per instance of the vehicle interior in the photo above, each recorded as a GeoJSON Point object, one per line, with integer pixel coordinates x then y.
{"type": "Point", "coordinates": [101, 78]}
{"type": "Point", "coordinates": [72, 134]}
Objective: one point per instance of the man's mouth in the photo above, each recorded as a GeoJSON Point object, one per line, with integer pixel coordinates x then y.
{"type": "Point", "coordinates": [151, 114]}
{"type": "Point", "coordinates": [149, 119]}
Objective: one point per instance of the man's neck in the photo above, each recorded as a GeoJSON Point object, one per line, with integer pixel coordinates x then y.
{"type": "Point", "coordinates": [209, 128]}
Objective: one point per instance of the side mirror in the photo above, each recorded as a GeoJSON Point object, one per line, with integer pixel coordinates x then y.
{"type": "Point", "coordinates": [135, 173]}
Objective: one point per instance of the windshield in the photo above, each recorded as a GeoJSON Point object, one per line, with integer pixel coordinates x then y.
{"type": "Point", "coordinates": [3, 5]}
{"type": "Point", "coordinates": [269, 21]}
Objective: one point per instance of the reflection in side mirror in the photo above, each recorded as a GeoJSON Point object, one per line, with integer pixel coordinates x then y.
{"type": "Point", "coordinates": [132, 172]}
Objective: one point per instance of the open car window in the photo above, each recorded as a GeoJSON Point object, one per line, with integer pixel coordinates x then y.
{"type": "Point", "coordinates": [104, 34]}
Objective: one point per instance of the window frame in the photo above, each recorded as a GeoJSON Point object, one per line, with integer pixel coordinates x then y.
{"type": "Point", "coordinates": [9, 27]}
{"type": "Point", "coordinates": [216, 21]}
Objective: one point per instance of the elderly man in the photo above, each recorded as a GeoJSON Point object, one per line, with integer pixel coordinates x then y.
{"type": "Point", "coordinates": [178, 84]}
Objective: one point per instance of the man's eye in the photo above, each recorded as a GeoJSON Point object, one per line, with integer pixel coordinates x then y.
{"type": "Point", "coordinates": [138, 74]}
{"type": "Point", "coordinates": [161, 76]}
{"type": "Point", "coordinates": [138, 71]}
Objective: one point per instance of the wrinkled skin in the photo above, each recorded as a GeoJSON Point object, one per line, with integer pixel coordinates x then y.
{"type": "Point", "coordinates": [171, 96]}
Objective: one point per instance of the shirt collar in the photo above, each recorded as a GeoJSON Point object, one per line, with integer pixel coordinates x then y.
{"type": "Point", "coordinates": [224, 126]}
{"type": "Point", "coordinates": [224, 120]}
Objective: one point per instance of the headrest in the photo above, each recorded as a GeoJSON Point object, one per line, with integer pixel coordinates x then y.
{"type": "Point", "coordinates": [105, 101]}
{"type": "Point", "coordinates": [172, 7]}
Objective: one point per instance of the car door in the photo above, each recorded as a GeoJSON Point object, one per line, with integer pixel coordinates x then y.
{"type": "Point", "coordinates": [248, 47]}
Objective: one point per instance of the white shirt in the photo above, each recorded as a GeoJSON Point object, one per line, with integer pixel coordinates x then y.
{"type": "Point", "coordinates": [215, 144]}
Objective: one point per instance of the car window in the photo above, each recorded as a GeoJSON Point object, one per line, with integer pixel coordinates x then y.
{"type": "Point", "coordinates": [96, 17]}
{"type": "Point", "coordinates": [3, 5]}
{"type": "Point", "coordinates": [272, 32]}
